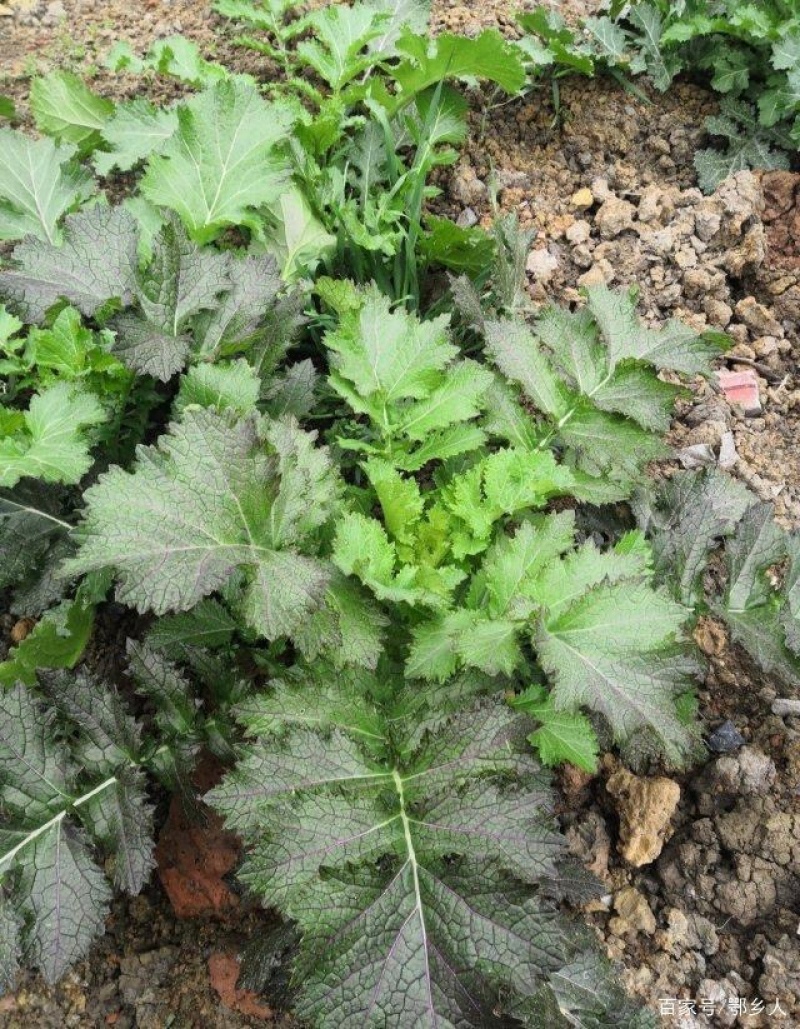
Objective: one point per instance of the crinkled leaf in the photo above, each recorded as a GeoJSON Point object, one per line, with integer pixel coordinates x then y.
{"type": "Point", "coordinates": [30, 524]}
{"type": "Point", "coordinates": [96, 262]}
{"type": "Point", "coordinates": [58, 640]}
{"type": "Point", "coordinates": [228, 386]}
{"type": "Point", "coordinates": [611, 650]}
{"type": "Point", "coordinates": [486, 56]}
{"type": "Point", "coordinates": [210, 499]}
{"type": "Point", "coordinates": [352, 844]}
{"type": "Point", "coordinates": [39, 184]}
{"type": "Point", "coordinates": [562, 735]}
{"type": "Point", "coordinates": [683, 518]}
{"type": "Point", "coordinates": [179, 281]}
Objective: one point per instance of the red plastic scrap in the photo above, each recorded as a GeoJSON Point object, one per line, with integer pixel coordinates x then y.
{"type": "Point", "coordinates": [741, 388]}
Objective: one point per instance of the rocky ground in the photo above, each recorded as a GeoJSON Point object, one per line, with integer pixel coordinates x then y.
{"type": "Point", "coordinates": [703, 871]}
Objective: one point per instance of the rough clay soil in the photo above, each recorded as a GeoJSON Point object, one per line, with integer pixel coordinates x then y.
{"type": "Point", "coordinates": [610, 189]}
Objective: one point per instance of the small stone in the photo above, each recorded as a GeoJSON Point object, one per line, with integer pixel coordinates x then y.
{"type": "Point", "coordinates": [600, 190]}
{"type": "Point", "coordinates": [582, 256]}
{"type": "Point", "coordinates": [650, 203]}
{"type": "Point", "coordinates": [467, 219]}
{"type": "Point", "coordinates": [697, 456]}
{"type": "Point", "coordinates": [784, 706]}
{"type": "Point", "coordinates": [766, 346]}
{"type": "Point", "coordinates": [633, 914]}
{"type": "Point", "coordinates": [514, 179]}
{"type": "Point", "coordinates": [579, 232]}
{"type": "Point", "coordinates": [727, 451]}
{"type": "Point", "coordinates": [757, 318]}
{"type": "Point", "coordinates": [725, 738]}
{"type": "Point", "coordinates": [757, 772]}
{"type": "Point", "coordinates": [718, 312]}
{"type": "Point", "coordinates": [601, 273]}
{"type": "Point", "coordinates": [21, 629]}
{"type": "Point", "coordinates": [685, 258]}
{"type": "Point", "coordinates": [696, 282]}
{"type": "Point", "coordinates": [645, 808]}
{"type": "Point", "coordinates": [541, 264]}
{"type": "Point", "coordinates": [467, 187]}
{"type": "Point", "coordinates": [583, 199]}
{"type": "Point", "coordinates": [707, 224]}
{"type": "Point", "coordinates": [614, 217]}
{"type": "Point", "coordinates": [741, 388]}
{"type": "Point", "coordinates": [55, 11]}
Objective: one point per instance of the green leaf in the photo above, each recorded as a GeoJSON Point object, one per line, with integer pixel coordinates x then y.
{"type": "Point", "coordinates": [180, 281]}
{"type": "Point", "coordinates": [39, 183]}
{"type": "Point", "coordinates": [469, 251]}
{"type": "Point", "coordinates": [561, 736]}
{"type": "Point", "coordinates": [180, 57]}
{"type": "Point", "coordinates": [95, 263]}
{"type": "Point", "coordinates": [134, 132]}
{"type": "Point", "coordinates": [298, 238]}
{"type": "Point", "coordinates": [514, 350]}
{"type": "Point", "coordinates": [208, 624]}
{"type": "Point", "coordinates": [757, 544]}
{"type": "Point", "coordinates": [52, 445]}
{"type": "Point", "coordinates": [486, 56]}
{"type": "Point", "coordinates": [262, 499]}
{"type": "Point", "coordinates": [611, 650]}
{"type": "Point", "coordinates": [363, 549]}
{"type": "Point", "coordinates": [64, 107]}
{"type": "Point", "coordinates": [222, 164]}
{"type": "Point", "coordinates": [58, 640]}
{"type": "Point", "coordinates": [406, 876]}
{"type": "Point", "coordinates": [337, 53]}
{"type": "Point", "coordinates": [7, 108]}
{"type": "Point", "coordinates": [31, 524]}
{"type": "Point", "coordinates": [45, 856]}
{"type": "Point", "coordinates": [675, 347]}
{"type": "Point", "coordinates": [230, 386]}
{"type": "Point", "coordinates": [683, 519]}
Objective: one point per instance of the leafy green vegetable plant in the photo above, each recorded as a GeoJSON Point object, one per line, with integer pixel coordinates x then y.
{"type": "Point", "coordinates": [357, 535]}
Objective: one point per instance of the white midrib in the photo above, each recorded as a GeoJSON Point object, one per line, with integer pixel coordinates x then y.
{"type": "Point", "coordinates": [9, 856]}
{"type": "Point", "coordinates": [412, 861]}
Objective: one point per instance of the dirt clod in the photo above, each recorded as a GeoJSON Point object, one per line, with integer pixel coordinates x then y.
{"type": "Point", "coordinates": [645, 807]}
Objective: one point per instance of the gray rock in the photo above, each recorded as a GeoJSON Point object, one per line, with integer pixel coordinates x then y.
{"type": "Point", "coordinates": [784, 706]}
{"type": "Point", "coordinates": [725, 738]}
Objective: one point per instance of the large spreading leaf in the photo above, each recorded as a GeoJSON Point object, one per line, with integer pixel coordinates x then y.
{"type": "Point", "coordinates": [611, 648]}
{"type": "Point", "coordinates": [215, 495]}
{"type": "Point", "coordinates": [222, 164]}
{"type": "Point", "coordinates": [96, 262]}
{"type": "Point", "coordinates": [134, 132]}
{"type": "Point", "coordinates": [51, 443]}
{"type": "Point", "coordinates": [486, 56]}
{"type": "Point", "coordinates": [591, 376]}
{"type": "Point", "coordinates": [45, 857]}
{"type": "Point", "coordinates": [180, 280]}
{"type": "Point", "coordinates": [410, 879]}
{"type": "Point", "coordinates": [64, 107]}
{"type": "Point", "coordinates": [39, 183]}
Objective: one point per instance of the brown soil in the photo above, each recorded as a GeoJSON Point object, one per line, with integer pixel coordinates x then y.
{"type": "Point", "coordinates": [715, 916]}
